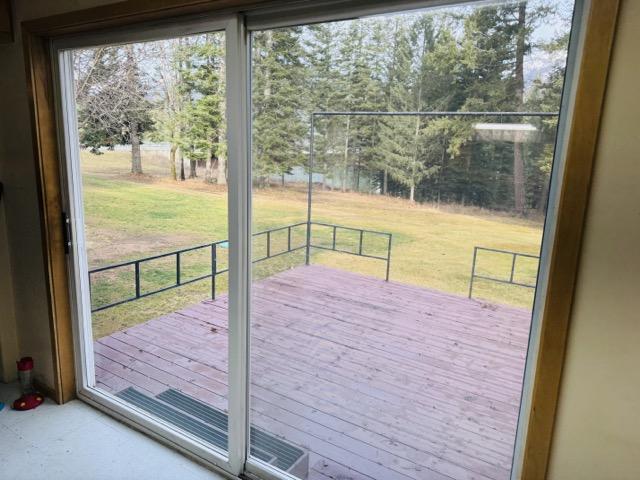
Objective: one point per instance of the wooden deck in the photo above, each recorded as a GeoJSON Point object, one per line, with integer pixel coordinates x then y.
{"type": "Point", "coordinates": [376, 380]}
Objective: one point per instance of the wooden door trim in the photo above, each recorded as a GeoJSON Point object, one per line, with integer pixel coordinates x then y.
{"type": "Point", "coordinates": [565, 254]}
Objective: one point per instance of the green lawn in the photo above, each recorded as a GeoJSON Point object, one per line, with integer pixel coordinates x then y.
{"type": "Point", "coordinates": [128, 218]}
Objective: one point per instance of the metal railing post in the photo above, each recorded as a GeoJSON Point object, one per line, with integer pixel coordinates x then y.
{"type": "Point", "coordinates": [513, 267]}
{"type": "Point", "coordinates": [473, 271]}
{"type": "Point", "coordinates": [214, 269]}
{"type": "Point", "coordinates": [386, 278]}
{"type": "Point", "coordinates": [360, 246]}
{"type": "Point", "coordinates": [334, 237]}
{"type": "Point", "coordinates": [308, 245]}
{"type": "Point", "coordinates": [178, 268]}
{"type": "Point", "coordinates": [307, 259]}
{"type": "Point", "coordinates": [268, 243]}
{"type": "Point", "coordinates": [289, 239]}
{"type": "Point", "coordinates": [137, 278]}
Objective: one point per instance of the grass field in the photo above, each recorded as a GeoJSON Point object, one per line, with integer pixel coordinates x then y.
{"type": "Point", "coordinates": [128, 218]}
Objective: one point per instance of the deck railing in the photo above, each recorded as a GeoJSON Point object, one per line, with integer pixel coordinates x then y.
{"type": "Point", "coordinates": [508, 280]}
{"type": "Point", "coordinates": [215, 247]}
{"type": "Point", "coordinates": [359, 252]}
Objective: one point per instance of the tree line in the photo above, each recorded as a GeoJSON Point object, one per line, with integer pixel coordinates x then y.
{"type": "Point", "coordinates": [463, 59]}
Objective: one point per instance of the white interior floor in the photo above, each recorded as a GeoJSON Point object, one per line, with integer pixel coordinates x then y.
{"type": "Point", "coordinates": [75, 441]}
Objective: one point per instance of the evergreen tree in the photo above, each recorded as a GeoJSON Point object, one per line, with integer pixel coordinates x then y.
{"type": "Point", "coordinates": [445, 75]}
{"type": "Point", "coordinates": [323, 84]}
{"type": "Point", "coordinates": [279, 123]}
{"type": "Point", "coordinates": [501, 38]}
{"type": "Point", "coordinates": [401, 145]}
{"type": "Point", "coordinates": [397, 91]}
{"type": "Point", "coordinates": [361, 91]}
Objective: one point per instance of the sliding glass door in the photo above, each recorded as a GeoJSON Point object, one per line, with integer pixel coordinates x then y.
{"type": "Point", "coordinates": [401, 169]}
{"type": "Point", "coordinates": [308, 245]}
{"type": "Point", "coordinates": [148, 169]}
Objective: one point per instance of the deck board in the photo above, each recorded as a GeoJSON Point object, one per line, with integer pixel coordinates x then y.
{"type": "Point", "coordinates": [377, 380]}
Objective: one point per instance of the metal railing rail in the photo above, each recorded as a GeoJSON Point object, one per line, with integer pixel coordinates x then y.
{"type": "Point", "coordinates": [510, 280]}
{"type": "Point", "coordinates": [215, 246]}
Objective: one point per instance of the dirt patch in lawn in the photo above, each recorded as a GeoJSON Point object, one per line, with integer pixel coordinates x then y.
{"type": "Point", "coordinates": [105, 246]}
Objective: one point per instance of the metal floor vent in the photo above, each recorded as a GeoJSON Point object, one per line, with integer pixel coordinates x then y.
{"type": "Point", "coordinates": [211, 425]}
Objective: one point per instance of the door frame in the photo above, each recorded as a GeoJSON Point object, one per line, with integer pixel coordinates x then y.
{"type": "Point", "coordinates": [544, 365]}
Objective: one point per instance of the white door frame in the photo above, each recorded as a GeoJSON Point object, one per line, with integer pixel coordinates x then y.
{"type": "Point", "coordinates": [231, 462]}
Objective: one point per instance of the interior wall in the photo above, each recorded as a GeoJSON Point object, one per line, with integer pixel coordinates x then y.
{"type": "Point", "coordinates": [597, 434]}
{"type": "Point", "coordinates": [27, 313]}
{"type": "Point", "coordinates": [8, 334]}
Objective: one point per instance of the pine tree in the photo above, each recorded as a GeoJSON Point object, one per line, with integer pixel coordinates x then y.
{"type": "Point", "coordinates": [361, 91]}
{"type": "Point", "coordinates": [501, 37]}
{"type": "Point", "coordinates": [444, 74]}
{"type": "Point", "coordinates": [402, 145]}
{"type": "Point", "coordinates": [323, 84]}
{"type": "Point", "coordinates": [397, 95]}
{"type": "Point", "coordinates": [279, 102]}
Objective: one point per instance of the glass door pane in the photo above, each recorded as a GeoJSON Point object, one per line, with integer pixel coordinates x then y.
{"type": "Point", "coordinates": [395, 256]}
{"type": "Point", "coordinates": [151, 190]}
